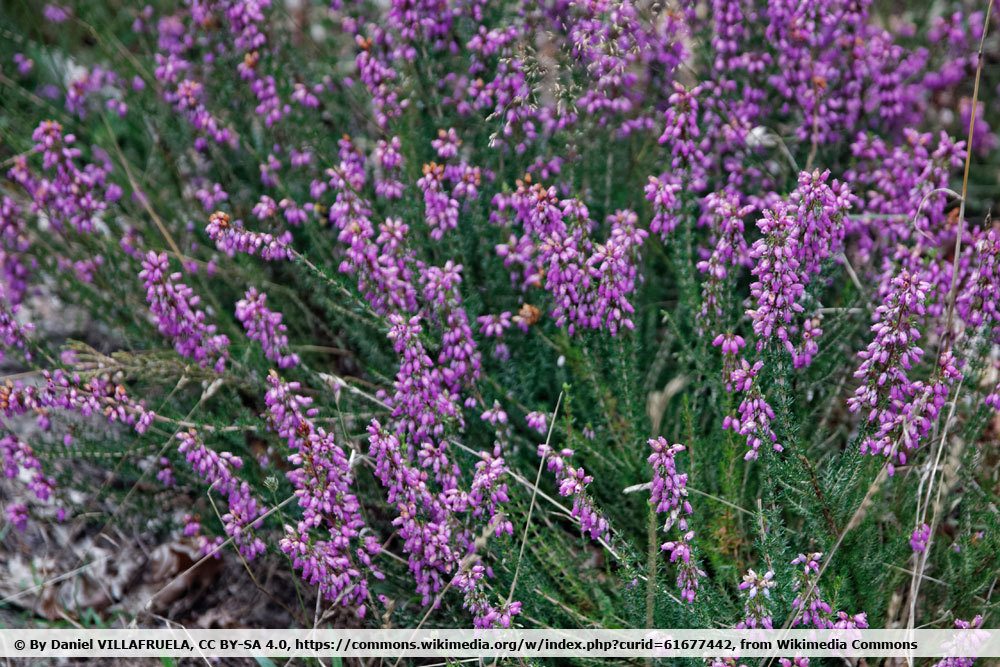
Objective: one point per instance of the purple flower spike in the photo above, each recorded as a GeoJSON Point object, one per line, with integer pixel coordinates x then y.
{"type": "Point", "coordinates": [668, 495]}
{"type": "Point", "coordinates": [175, 307]}
{"type": "Point", "coordinates": [265, 327]}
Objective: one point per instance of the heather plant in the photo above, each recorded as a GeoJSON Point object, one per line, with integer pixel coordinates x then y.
{"type": "Point", "coordinates": [604, 313]}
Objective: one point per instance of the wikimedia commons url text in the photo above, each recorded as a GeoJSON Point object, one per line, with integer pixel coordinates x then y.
{"type": "Point", "coordinates": [499, 643]}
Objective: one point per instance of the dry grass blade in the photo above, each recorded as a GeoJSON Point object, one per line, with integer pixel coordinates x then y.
{"type": "Point", "coordinates": [54, 580]}
{"type": "Point", "coordinates": [531, 506]}
{"type": "Point", "coordinates": [214, 551]}
{"type": "Point", "coordinates": [948, 334]}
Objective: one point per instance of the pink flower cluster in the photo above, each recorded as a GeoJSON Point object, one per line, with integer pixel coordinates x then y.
{"type": "Point", "coordinates": [94, 395]}
{"type": "Point", "coordinates": [378, 256]}
{"type": "Point", "coordinates": [58, 393]}
{"type": "Point", "coordinates": [754, 413]}
{"type": "Point", "coordinates": [797, 237]}
{"type": "Point", "coordinates": [668, 495]}
{"type": "Point", "coordinates": [264, 326]}
{"type": "Point", "coordinates": [231, 237]}
{"type": "Point", "coordinates": [889, 400]}
{"type": "Point", "coordinates": [327, 544]}
{"type": "Point", "coordinates": [17, 458]}
{"type": "Point", "coordinates": [73, 197]}
{"type": "Point", "coordinates": [219, 471]}
{"type": "Point", "coordinates": [440, 550]}
{"type": "Point", "coordinates": [809, 608]}
{"type": "Point", "coordinates": [590, 283]}
{"type": "Point", "coordinates": [573, 484]}
{"type": "Point", "coordinates": [178, 317]}
{"type": "Point", "coordinates": [723, 215]}
{"type": "Point", "coordinates": [757, 588]}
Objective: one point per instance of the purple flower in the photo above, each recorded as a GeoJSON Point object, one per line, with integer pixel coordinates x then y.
{"type": "Point", "coordinates": [757, 588]}
{"type": "Point", "coordinates": [495, 415]}
{"type": "Point", "coordinates": [192, 526]}
{"type": "Point", "coordinates": [613, 269]}
{"type": "Point", "coordinates": [71, 196]}
{"type": "Point", "coordinates": [55, 13]}
{"type": "Point", "coordinates": [175, 307]}
{"type": "Point", "coordinates": [808, 607]}
{"type": "Point", "coordinates": [447, 143]}
{"type": "Point", "coordinates": [590, 283]}
{"type": "Point", "coordinates": [17, 514]}
{"type": "Point", "coordinates": [975, 623]}
{"type": "Point", "coordinates": [380, 258]}
{"type": "Point", "coordinates": [425, 398]}
{"type": "Point", "coordinates": [844, 621]}
{"type": "Point", "coordinates": [265, 208]}
{"type": "Point", "coordinates": [265, 327]}
{"type": "Point", "coordinates": [13, 333]}
{"type": "Point", "coordinates": [459, 358]}
{"type": "Point", "coordinates": [165, 475]}
{"type": "Point", "coordinates": [977, 302]}
{"type": "Point", "coordinates": [899, 180]}
{"type": "Point", "coordinates": [892, 404]}
{"type": "Point", "coordinates": [803, 355]}
{"type": "Point", "coordinates": [231, 237]}
{"type": "Point", "coordinates": [15, 264]}
{"type": "Point", "coordinates": [494, 325]}
{"type": "Point", "coordinates": [820, 209]}
{"type": "Point", "coordinates": [755, 415]}
{"type": "Point", "coordinates": [440, 208]}
{"type": "Point", "coordinates": [375, 71]}
{"type": "Point", "coordinates": [731, 344]}
{"type": "Point", "coordinates": [488, 492]}
{"type": "Point", "coordinates": [219, 471]}
{"type": "Point", "coordinates": [682, 136]}
{"type": "Point", "coordinates": [302, 158]}
{"type": "Point", "coordinates": [537, 421]}
{"type": "Point", "coordinates": [662, 193]}
{"type": "Point", "coordinates": [780, 282]}
{"type": "Point", "coordinates": [984, 140]}
{"type": "Point", "coordinates": [920, 538]}
{"type": "Point", "coordinates": [178, 87]}
{"type": "Point", "coordinates": [485, 614]}
{"type": "Point", "coordinates": [24, 64]}
{"type": "Point", "coordinates": [425, 522]}
{"type": "Point", "coordinates": [724, 215]}
{"type": "Point", "coordinates": [18, 459]}
{"type": "Point", "coordinates": [95, 395]}
{"type": "Point", "coordinates": [573, 484]}
{"type": "Point", "coordinates": [668, 495]}
{"type": "Point", "coordinates": [89, 84]}
{"type": "Point", "coordinates": [294, 214]}
{"type": "Point", "coordinates": [837, 75]}
{"type": "Point", "coordinates": [211, 197]}
{"type": "Point", "coordinates": [794, 662]}
{"type": "Point", "coordinates": [390, 160]}
{"type": "Point", "coordinates": [322, 477]}
{"type": "Point", "coordinates": [305, 97]}
{"type": "Point", "coordinates": [797, 238]}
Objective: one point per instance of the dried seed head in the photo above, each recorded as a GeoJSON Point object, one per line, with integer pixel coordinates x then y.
{"type": "Point", "coordinates": [220, 218]}
{"type": "Point", "coordinates": [529, 314]}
